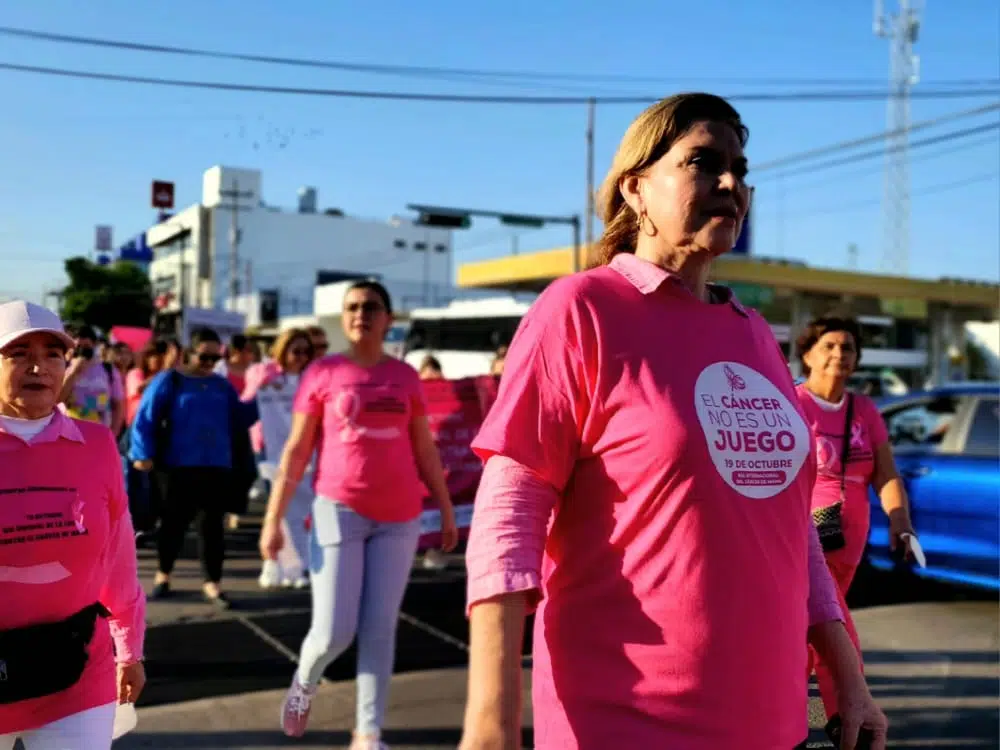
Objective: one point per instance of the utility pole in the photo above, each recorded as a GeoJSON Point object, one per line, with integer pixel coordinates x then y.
{"type": "Point", "coordinates": [248, 267]}
{"type": "Point", "coordinates": [901, 29]}
{"type": "Point", "coordinates": [591, 115]}
{"type": "Point", "coordinates": [852, 256]}
{"type": "Point", "coordinates": [234, 195]}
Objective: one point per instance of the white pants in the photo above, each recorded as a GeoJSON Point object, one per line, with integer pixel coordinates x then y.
{"type": "Point", "coordinates": [87, 730]}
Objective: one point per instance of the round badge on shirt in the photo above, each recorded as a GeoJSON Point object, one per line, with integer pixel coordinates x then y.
{"type": "Point", "coordinates": [756, 437]}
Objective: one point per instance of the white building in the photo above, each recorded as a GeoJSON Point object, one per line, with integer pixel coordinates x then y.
{"type": "Point", "coordinates": [287, 253]}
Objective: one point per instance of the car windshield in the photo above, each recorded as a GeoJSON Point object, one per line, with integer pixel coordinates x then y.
{"type": "Point", "coordinates": [920, 425]}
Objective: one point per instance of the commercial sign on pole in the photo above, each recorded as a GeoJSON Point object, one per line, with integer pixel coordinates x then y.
{"type": "Point", "coordinates": [102, 238]}
{"type": "Point", "coordinates": [163, 194]}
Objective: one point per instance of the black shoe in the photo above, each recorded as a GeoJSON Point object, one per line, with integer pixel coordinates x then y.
{"type": "Point", "coordinates": [160, 591]}
{"type": "Point", "coordinates": [220, 601]}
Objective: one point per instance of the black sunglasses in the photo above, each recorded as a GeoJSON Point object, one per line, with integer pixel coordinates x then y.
{"type": "Point", "coordinates": [368, 307]}
{"type": "Point", "coordinates": [299, 351]}
{"type": "Point", "coordinates": [209, 359]}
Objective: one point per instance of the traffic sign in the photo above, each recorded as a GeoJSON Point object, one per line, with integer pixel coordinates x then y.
{"type": "Point", "coordinates": [102, 238]}
{"type": "Point", "coordinates": [163, 194]}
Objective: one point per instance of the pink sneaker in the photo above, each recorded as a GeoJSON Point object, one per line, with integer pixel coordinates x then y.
{"type": "Point", "coordinates": [295, 709]}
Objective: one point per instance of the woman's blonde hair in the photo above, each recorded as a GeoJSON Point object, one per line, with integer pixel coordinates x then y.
{"type": "Point", "coordinates": [284, 341]}
{"type": "Point", "coordinates": [648, 138]}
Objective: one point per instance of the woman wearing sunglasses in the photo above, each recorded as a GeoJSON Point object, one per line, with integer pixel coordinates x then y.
{"type": "Point", "coordinates": [273, 385]}
{"type": "Point", "coordinates": [192, 430]}
{"type": "Point", "coordinates": [364, 411]}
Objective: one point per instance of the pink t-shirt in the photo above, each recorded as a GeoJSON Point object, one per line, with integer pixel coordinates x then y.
{"type": "Point", "coordinates": [675, 576]}
{"type": "Point", "coordinates": [868, 433]}
{"type": "Point", "coordinates": [365, 455]}
{"type": "Point", "coordinates": [66, 542]}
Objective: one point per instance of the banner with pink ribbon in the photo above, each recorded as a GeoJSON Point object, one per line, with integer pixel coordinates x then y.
{"type": "Point", "coordinates": [455, 410]}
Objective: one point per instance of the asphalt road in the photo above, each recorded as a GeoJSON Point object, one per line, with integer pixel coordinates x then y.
{"type": "Point", "coordinates": [932, 653]}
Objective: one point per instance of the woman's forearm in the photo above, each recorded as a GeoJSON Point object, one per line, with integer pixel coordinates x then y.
{"type": "Point", "coordinates": [496, 628]}
{"type": "Point", "coordinates": [290, 471]}
{"type": "Point", "coordinates": [432, 474]}
{"type": "Point", "coordinates": [837, 651]}
{"type": "Point", "coordinates": [893, 497]}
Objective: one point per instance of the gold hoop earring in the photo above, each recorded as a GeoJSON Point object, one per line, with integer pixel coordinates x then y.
{"type": "Point", "coordinates": [641, 224]}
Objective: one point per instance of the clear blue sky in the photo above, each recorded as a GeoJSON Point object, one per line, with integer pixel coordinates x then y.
{"type": "Point", "coordinates": [79, 153]}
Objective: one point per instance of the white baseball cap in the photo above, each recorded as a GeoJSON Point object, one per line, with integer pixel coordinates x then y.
{"type": "Point", "coordinates": [21, 318]}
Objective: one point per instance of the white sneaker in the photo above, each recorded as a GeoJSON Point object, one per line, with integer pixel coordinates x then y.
{"type": "Point", "coordinates": [270, 575]}
{"type": "Point", "coordinates": [299, 582]}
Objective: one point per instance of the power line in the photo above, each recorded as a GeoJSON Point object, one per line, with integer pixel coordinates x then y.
{"type": "Point", "coordinates": [799, 96]}
{"type": "Point", "coordinates": [854, 142]}
{"type": "Point", "coordinates": [876, 153]}
{"type": "Point", "coordinates": [824, 181]}
{"type": "Point", "coordinates": [929, 190]}
{"type": "Point", "coordinates": [427, 71]}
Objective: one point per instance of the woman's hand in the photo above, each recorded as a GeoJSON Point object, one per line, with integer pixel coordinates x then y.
{"type": "Point", "coordinates": [899, 524]}
{"type": "Point", "coordinates": [449, 529]}
{"type": "Point", "coordinates": [131, 681]}
{"type": "Point", "coordinates": [857, 709]}
{"type": "Point", "coordinates": [272, 539]}
{"type": "Point", "coordinates": [143, 465]}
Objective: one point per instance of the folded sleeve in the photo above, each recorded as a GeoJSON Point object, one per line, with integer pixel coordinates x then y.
{"type": "Point", "coordinates": [507, 536]}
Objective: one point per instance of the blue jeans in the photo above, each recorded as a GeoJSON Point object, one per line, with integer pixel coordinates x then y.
{"type": "Point", "coordinates": [359, 571]}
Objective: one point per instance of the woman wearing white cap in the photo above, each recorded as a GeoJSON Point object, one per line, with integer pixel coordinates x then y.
{"type": "Point", "coordinates": [73, 617]}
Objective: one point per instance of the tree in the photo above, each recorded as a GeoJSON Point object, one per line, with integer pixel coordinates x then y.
{"type": "Point", "coordinates": [104, 296]}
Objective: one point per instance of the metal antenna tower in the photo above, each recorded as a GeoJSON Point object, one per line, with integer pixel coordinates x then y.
{"type": "Point", "coordinates": [901, 29]}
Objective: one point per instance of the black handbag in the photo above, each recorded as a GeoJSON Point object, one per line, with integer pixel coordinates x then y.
{"type": "Point", "coordinates": [41, 660]}
{"type": "Point", "coordinates": [829, 520]}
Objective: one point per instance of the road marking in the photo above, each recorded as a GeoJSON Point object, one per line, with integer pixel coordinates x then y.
{"type": "Point", "coordinates": [447, 638]}
{"type": "Point", "coordinates": [269, 639]}
{"type": "Point", "coordinates": [431, 630]}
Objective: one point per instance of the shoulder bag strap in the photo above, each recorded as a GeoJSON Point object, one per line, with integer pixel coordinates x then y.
{"type": "Point", "coordinates": [845, 448]}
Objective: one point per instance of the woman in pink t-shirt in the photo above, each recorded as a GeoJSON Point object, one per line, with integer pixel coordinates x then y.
{"type": "Point", "coordinates": [72, 618]}
{"type": "Point", "coordinates": [850, 459]}
{"type": "Point", "coordinates": [363, 412]}
{"type": "Point", "coordinates": [647, 484]}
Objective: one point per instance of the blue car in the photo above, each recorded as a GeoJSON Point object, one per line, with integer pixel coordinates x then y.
{"type": "Point", "coordinates": [947, 447]}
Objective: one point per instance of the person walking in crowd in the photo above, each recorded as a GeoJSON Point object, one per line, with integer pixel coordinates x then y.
{"type": "Point", "coordinates": [853, 453]}
{"type": "Point", "coordinates": [273, 385]}
{"type": "Point", "coordinates": [365, 412]}
{"type": "Point", "coordinates": [239, 357]}
{"type": "Point", "coordinates": [121, 356]}
{"type": "Point", "coordinates": [646, 487]}
{"type": "Point", "coordinates": [496, 366]}
{"type": "Point", "coordinates": [430, 369]}
{"type": "Point", "coordinates": [144, 503]}
{"type": "Point", "coordinates": [93, 389]}
{"type": "Point", "coordinates": [72, 623]}
{"type": "Point", "coordinates": [193, 430]}
{"type": "Point", "coordinates": [321, 344]}
{"type": "Point", "coordinates": [174, 356]}
{"type": "Point", "coordinates": [152, 361]}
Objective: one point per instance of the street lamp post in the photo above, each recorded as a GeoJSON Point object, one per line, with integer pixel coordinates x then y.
{"type": "Point", "coordinates": [461, 218]}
